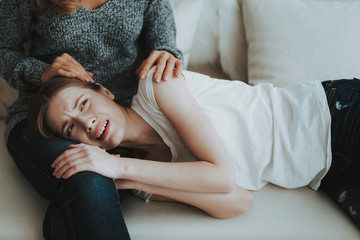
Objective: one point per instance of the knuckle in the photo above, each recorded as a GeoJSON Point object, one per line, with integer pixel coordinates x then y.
{"type": "Point", "coordinates": [171, 61]}
{"type": "Point", "coordinates": [57, 59]}
{"type": "Point", "coordinates": [163, 54]}
{"type": "Point", "coordinates": [74, 168]}
{"type": "Point", "coordinates": [68, 164]}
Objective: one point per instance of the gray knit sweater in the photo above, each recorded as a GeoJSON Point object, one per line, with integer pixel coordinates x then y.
{"type": "Point", "coordinates": [104, 41]}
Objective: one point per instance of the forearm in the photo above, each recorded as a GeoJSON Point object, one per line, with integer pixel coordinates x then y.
{"type": "Point", "coordinates": [159, 28]}
{"type": "Point", "coordinates": [198, 176]}
{"type": "Point", "coordinates": [15, 29]}
{"type": "Point", "coordinates": [219, 205]}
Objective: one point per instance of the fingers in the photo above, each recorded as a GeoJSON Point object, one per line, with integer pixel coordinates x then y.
{"type": "Point", "coordinates": [178, 68]}
{"type": "Point", "coordinates": [83, 157]}
{"type": "Point", "coordinates": [147, 64]}
{"type": "Point", "coordinates": [166, 64]}
{"type": "Point", "coordinates": [160, 67]}
{"type": "Point", "coordinates": [76, 68]}
{"type": "Point", "coordinates": [168, 69]}
{"type": "Point", "coordinates": [66, 66]}
{"type": "Point", "coordinates": [69, 163]}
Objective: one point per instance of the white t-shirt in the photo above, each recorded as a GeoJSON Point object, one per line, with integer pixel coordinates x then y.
{"type": "Point", "coordinates": [277, 135]}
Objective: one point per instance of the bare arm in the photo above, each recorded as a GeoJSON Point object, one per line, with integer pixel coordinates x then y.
{"type": "Point", "coordinates": [219, 205]}
{"type": "Point", "coordinates": [212, 173]}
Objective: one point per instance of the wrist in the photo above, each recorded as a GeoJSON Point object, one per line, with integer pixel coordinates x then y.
{"type": "Point", "coordinates": [43, 75]}
{"type": "Point", "coordinates": [118, 166]}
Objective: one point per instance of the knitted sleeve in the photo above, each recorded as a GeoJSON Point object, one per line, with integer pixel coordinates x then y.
{"type": "Point", "coordinates": [16, 18]}
{"type": "Point", "coordinates": [159, 30]}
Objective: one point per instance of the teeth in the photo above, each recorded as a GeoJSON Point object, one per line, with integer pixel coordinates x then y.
{"type": "Point", "coordinates": [102, 130]}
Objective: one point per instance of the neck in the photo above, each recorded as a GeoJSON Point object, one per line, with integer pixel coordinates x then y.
{"type": "Point", "coordinates": [138, 133]}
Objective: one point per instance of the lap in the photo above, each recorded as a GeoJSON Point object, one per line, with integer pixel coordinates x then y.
{"type": "Point", "coordinates": [33, 155]}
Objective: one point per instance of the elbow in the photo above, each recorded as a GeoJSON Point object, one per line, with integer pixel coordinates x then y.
{"type": "Point", "coordinates": [238, 206]}
{"type": "Point", "coordinates": [248, 200]}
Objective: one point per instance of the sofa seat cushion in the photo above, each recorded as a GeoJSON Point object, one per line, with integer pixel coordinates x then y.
{"type": "Point", "coordinates": [22, 209]}
{"type": "Point", "coordinates": [277, 213]}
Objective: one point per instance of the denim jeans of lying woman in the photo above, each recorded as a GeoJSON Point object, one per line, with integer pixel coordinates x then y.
{"type": "Point", "coordinates": [85, 206]}
{"type": "Point", "coordinates": [342, 182]}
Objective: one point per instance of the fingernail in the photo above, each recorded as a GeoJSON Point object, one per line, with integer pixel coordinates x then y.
{"type": "Point", "coordinates": [142, 76]}
{"type": "Point", "coordinates": [72, 75]}
{"type": "Point", "coordinates": [87, 79]}
{"type": "Point", "coordinates": [166, 78]}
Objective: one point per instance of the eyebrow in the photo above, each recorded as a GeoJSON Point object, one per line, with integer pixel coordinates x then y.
{"type": "Point", "coordinates": [76, 102]}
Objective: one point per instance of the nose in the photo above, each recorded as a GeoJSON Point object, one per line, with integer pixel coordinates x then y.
{"type": "Point", "coordinates": [88, 123]}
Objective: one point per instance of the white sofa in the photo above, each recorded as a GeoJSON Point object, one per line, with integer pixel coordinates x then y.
{"type": "Point", "coordinates": [278, 41]}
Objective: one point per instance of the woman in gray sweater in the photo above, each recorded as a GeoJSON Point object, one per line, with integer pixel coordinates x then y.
{"type": "Point", "coordinates": [93, 41]}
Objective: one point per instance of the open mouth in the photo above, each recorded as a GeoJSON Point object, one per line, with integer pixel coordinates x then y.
{"type": "Point", "coordinates": [102, 132]}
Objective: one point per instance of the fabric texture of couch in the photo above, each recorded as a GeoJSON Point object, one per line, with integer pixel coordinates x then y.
{"type": "Point", "coordinates": [277, 41]}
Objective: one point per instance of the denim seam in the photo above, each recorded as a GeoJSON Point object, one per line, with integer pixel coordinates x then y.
{"type": "Point", "coordinates": [331, 95]}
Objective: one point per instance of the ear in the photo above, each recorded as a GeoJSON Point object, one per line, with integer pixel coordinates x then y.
{"type": "Point", "coordinates": [106, 91]}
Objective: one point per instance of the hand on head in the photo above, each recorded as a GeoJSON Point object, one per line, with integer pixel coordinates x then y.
{"type": "Point", "coordinates": [66, 66]}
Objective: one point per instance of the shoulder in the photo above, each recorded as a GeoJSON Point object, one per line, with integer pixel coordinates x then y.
{"type": "Point", "coordinates": [172, 95]}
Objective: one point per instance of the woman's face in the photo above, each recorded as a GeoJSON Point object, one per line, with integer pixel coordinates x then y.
{"type": "Point", "coordinates": [86, 116]}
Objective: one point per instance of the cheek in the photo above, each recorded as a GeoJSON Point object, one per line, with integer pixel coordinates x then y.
{"type": "Point", "coordinates": [80, 137]}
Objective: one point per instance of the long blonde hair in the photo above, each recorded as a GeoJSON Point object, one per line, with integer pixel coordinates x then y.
{"type": "Point", "coordinates": [59, 6]}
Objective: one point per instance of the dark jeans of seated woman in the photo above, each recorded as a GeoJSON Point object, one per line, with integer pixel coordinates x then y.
{"type": "Point", "coordinates": [343, 179]}
{"type": "Point", "coordinates": [85, 206]}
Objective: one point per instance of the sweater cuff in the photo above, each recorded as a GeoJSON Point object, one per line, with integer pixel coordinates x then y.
{"type": "Point", "coordinates": [30, 70]}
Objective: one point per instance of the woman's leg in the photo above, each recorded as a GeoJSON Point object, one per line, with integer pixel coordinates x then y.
{"type": "Point", "coordinates": [54, 226]}
{"type": "Point", "coordinates": [342, 182]}
{"type": "Point", "coordinates": [88, 202]}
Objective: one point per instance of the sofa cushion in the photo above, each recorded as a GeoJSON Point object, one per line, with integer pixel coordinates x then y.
{"type": "Point", "coordinates": [186, 14]}
{"type": "Point", "coordinates": [277, 214]}
{"type": "Point", "coordinates": [7, 97]}
{"type": "Point", "coordinates": [220, 41]}
{"type": "Point", "coordinates": [298, 40]}
{"type": "Point", "coordinates": [22, 209]}
{"type": "Point", "coordinates": [232, 42]}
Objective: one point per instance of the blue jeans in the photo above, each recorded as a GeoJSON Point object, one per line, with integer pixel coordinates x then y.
{"type": "Point", "coordinates": [342, 182]}
{"type": "Point", "coordinates": [85, 206]}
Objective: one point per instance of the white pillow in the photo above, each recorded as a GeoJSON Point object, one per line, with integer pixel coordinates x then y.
{"type": "Point", "coordinates": [7, 96]}
{"type": "Point", "coordinates": [219, 47]}
{"type": "Point", "coordinates": [232, 42]}
{"type": "Point", "coordinates": [186, 14]}
{"type": "Point", "coordinates": [297, 40]}
{"type": "Point", "coordinates": [204, 51]}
